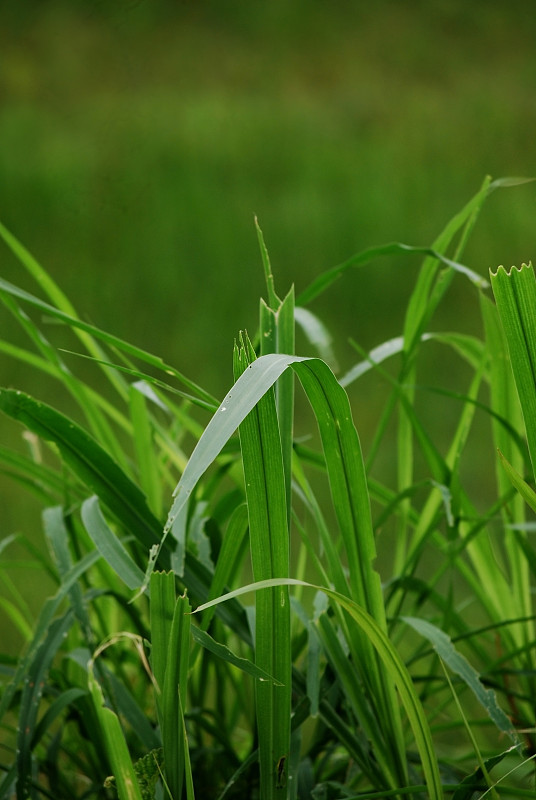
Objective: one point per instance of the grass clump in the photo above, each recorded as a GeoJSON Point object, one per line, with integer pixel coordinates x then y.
{"type": "Point", "coordinates": [293, 623]}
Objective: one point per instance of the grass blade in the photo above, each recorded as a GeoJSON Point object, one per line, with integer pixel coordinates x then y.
{"type": "Point", "coordinates": [392, 663]}
{"type": "Point", "coordinates": [269, 544]}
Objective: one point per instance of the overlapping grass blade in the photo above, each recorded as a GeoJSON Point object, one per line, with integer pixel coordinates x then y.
{"type": "Point", "coordinates": [325, 280]}
{"type": "Point", "coordinates": [170, 626]}
{"type": "Point", "coordinates": [108, 545]}
{"type": "Point", "coordinates": [116, 746]}
{"type": "Point", "coordinates": [515, 295]}
{"type": "Point", "coordinates": [392, 664]}
{"type": "Point", "coordinates": [347, 481]}
{"type": "Point", "coordinates": [88, 460]}
{"type": "Point", "coordinates": [266, 494]}
{"type": "Point", "coordinates": [445, 649]}
{"type": "Point", "coordinates": [131, 350]}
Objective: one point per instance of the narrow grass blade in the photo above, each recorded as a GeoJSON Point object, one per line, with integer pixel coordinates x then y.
{"type": "Point", "coordinates": [145, 450]}
{"type": "Point", "coordinates": [515, 295]}
{"type": "Point", "coordinates": [93, 465]}
{"type": "Point", "coordinates": [31, 696]}
{"type": "Point", "coordinates": [266, 493]}
{"type": "Point", "coordinates": [392, 663]}
{"type": "Point", "coordinates": [109, 339]}
{"type": "Point", "coordinates": [170, 633]}
{"type": "Point", "coordinates": [226, 654]}
{"type": "Point", "coordinates": [233, 545]}
{"type": "Point", "coordinates": [162, 609]}
{"type": "Point", "coordinates": [325, 280]}
{"type": "Point", "coordinates": [43, 623]}
{"type": "Point", "coordinates": [445, 649]}
{"type": "Point", "coordinates": [97, 421]}
{"type": "Point", "coordinates": [527, 492]}
{"type": "Point", "coordinates": [108, 545]}
{"type": "Point", "coordinates": [173, 699]}
{"type": "Point", "coordinates": [116, 746]}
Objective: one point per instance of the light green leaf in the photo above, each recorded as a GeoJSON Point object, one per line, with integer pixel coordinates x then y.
{"type": "Point", "coordinates": [108, 545]}
{"type": "Point", "coordinates": [445, 649]}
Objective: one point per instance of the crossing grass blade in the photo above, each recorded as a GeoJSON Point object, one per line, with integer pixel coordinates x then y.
{"type": "Point", "coordinates": [116, 746]}
{"type": "Point", "coordinates": [391, 661]}
{"type": "Point", "coordinates": [88, 460]}
{"type": "Point", "coordinates": [266, 494]}
{"type": "Point", "coordinates": [205, 399]}
{"type": "Point", "coordinates": [170, 626]}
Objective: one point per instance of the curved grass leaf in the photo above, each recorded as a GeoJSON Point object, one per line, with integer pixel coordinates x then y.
{"type": "Point", "coordinates": [325, 280]}
{"type": "Point", "coordinates": [392, 663]}
{"type": "Point", "coordinates": [92, 465]}
{"type": "Point", "coordinates": [107, 338]}
{"type": "Point", "coordinates": [108, 545]}
{"type": "Point", "coordinates": [34, 685]}
{"type": "Point", "coordinates": [445, 649]}
{"type": "Point", "coordinates": [515, 295]}
{"type": "Point", "coordinates": [222, 651]}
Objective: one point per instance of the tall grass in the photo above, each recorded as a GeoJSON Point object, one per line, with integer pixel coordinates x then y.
{"type": "Point", "coordinates": [292, 623]}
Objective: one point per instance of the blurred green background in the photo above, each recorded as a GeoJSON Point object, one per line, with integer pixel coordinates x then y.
{"type": "Point", "coordinates": [140, 137]}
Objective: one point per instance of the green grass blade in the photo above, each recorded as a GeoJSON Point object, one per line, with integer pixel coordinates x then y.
{"type": "Point", "coordinates": [108, 545]}
{"type": "Point", "coordinates": [43, 623]}
{"type": "Point", "coordinates": [116, 746]}
{"type": "Point", "coordinates": [93, 465]}
{"type": "Point", "coordinates": [92, 411]}
{"type": "Point", "coordinates": [445, 649]}
{"type": "Point", "coordinates": [173, 698]}
{"type": "Point", "coordinates": [226, 654]}
{"type": "Point", "coordinates": [392, 663]}
{"type": "Point", "coordinates": [170, 638]}
{"type": "Point", "coordinates": [145, 450]}
{"type": "Point", "coordinates": [266, 493]}
{"type": "Point", "coordinates": [325, 280]}
{"type": "Point", "coordinates": [31, 696]}
{"type": "Point", "coordinates": [163, 602]}
{"type": "Point", "coordinates": [515, 295]}
{"type": "Point", "coordinates": [113, 341]}
{"type": "Point", "coordinates": [229, 555]}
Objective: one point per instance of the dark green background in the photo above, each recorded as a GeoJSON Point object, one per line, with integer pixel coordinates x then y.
{"type": "Point", "coordinates": [139, 138]}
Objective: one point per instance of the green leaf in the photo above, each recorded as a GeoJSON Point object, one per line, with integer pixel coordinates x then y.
{"type": "Point", "coordinates": [92, 465]}
{"type": "Point", "coordinates": [325, 280]}
{"type": "Point", "coordinates": [222, 651]}
{"type": "Point", "coordinates": [515, 295]}
{"type": "Point", "coordinates": [116, 747]}
{"type": "Point", "coordinates": [392, 663]}
{"type": "Point", "coordinates": [108, 545]}
{"type": "Point", "coordinates": [445, 649]}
